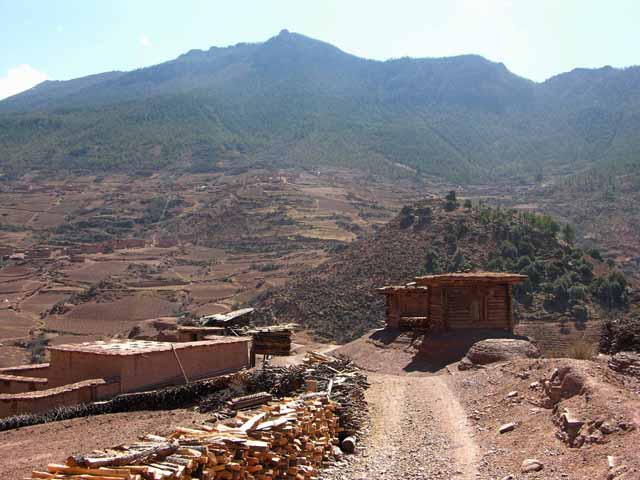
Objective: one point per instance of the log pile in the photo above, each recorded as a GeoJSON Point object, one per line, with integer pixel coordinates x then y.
{"type": "Point", "coordinates": [290, 438]}
{"type": "Point", "coordinates": [346, 386]}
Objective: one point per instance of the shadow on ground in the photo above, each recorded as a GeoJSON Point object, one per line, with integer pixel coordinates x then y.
{"type": "Point", "coordinates": [435, 352]}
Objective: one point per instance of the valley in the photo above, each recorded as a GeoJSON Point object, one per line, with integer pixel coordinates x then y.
{"type": "Point", "coordinates": [198, 244]}
{"type": "Point", "coordinates": [91, 257]}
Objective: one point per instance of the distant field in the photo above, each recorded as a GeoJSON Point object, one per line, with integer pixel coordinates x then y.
{"type": "Point", "coordinates": [213, 242]}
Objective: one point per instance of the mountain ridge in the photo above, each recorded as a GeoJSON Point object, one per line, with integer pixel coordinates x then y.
{"type": "Point", "coordinates": [308, 103]}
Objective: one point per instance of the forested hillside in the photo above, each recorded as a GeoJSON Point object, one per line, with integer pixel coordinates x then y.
{"type": "Point", "coordinates": [295, 101]}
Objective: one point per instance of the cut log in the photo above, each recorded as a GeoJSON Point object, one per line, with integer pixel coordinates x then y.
{"type": "Point", "coordinates": [160, 450]}
{"type": "Point", "coordinates": [349, 444]}
{"type": "Point", "coordinates": [109, 472]}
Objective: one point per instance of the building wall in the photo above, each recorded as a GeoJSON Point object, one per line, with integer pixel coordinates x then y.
{"type": "Point", "coordinates": [16, 384]}
{"type": "Point", "coordinates": [70, 367]}
{"type": "Point", "coordinates": [436, 309]}
{"type": "Point", "coordinates": [74, 394]}
{"type": "Point", "coordinates": [199, 361]}
{"type": "Point", "coordinates": [40, 370]}
{"type": "Point", "coordinates": [414, 304]}
{"type": "Point", "coordinates": [477, 307]}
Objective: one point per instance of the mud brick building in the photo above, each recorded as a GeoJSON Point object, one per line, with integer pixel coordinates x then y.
{"type": "Point", "coordinates": [453, 301]}
{"type": "Point", "coordinates": [99, 370]}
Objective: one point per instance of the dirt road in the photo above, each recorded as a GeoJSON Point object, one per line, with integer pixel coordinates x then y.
{"type": "Point", "coordinates": [418, 431]}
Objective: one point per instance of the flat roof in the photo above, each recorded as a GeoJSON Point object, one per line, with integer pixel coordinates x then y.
{"type": "Point", "coordinates": [421, 284]}
{"type": "Point", "coordinates": [402, 288]}
{"type": "Point", "coordinates": [470, 277]}
{"type": "Point", "coordinates": [136, 347]}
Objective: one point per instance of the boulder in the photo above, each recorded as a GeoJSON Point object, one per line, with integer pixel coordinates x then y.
{"type": "Point", "coordinates": [500, 349]}
{"type": "Point", "coordinates": [532, 465]}
{"type": "Point", "coordinates": [564, 383]}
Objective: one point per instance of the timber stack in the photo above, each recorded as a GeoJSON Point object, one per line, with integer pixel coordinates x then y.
{"type": "Point", "coordinates": [291, 438]}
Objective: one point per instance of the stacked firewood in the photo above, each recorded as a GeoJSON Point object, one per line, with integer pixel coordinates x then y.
{"type": "Point", "coordinates": [346, 386]}
{"type": "Point", "coordinates": [286, 439]}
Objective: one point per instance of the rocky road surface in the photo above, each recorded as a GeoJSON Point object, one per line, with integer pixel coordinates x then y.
{"type": "Point", "coordinates": [418, 431]}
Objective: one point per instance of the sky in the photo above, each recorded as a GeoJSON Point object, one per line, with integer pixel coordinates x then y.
{"type": "Point", "coordinates": [63, 39]}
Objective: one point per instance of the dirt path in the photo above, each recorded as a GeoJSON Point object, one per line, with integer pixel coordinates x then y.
{"type": "Point", "coordinates": [418, 431]}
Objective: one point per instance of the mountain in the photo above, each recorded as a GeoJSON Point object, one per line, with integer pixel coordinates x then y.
{"type": "Point", "coordinates": [567, 285]}
{"type": "Point", "coordinates": [296, 101]}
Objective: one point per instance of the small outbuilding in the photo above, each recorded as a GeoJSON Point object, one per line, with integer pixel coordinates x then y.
{"type": "Point", "coordinates": [453, 301]}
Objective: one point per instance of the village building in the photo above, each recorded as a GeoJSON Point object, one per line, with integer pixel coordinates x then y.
{"type": "Point", "coordinates": [99, 370]}
{"type": "Point", "coordinates": [453, 301]}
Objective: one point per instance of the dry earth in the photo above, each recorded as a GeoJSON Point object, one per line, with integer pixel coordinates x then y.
{"type": "Point", "coordinates": [418, 431]}
{"type": "Point", "coordinates": [24, 449]}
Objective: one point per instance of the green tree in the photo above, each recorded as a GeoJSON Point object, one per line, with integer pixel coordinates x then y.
{"type": "Point", "coordinates": [432, 263]}
{"type": "Point", "coordinates": [451, 201]}
{"type": "Point", "coordinates": [569, 233]}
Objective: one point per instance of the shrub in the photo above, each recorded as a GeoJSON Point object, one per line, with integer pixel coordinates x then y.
{"type": "Point", "coordinates": [467, 204]}
{"type": "Point", "coordinates": [582, 349]}
{"type": "Point", "coordinates": [522, 263]}
{"type": "Point", "coordinates": [509, 250]}
{"type": "Point", "coordinates": [457, 262]}
{"type": "Point", "coordinates": [496, 265]}
{"type": "Point", "coordinates": [580, 312]}
{"type": "Point", "coordinates": [37, 347]}
{"type": "Point", "coordinates": [432, 263]}
{"type": "Point", "coordinates": [569, 234]}
{"type": "Point", "coordinates": [535, 272]}
{"type": "Point", "coordinates": [406, 210]}
{"type": "Point", "coordinates": [461, 228]}
{"type": "Point", "coordinates": [595, 254]}
{"type": "Point", "coordinates": [577, 292]}
{"type": "Point", "coordinates": [451, 196]}
{"type": "Point", "coordinates": [451, 201]}
{"type": "Point", "coordinates": [610, 290]}
{"type": "Point", "coordinates": [406, 221]}
{"type": "Point", "coordinates": [554, 270]}
{"type": "Point", "coordinates": [424, 217]}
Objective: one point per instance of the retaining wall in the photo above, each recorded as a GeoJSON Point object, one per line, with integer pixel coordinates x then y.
{"type": "Point", "coordinates": [16, 384]}
{"type": "Point", "coordinates": [40, 401]}
{"type": "Point", "coordinates": [38, 370]}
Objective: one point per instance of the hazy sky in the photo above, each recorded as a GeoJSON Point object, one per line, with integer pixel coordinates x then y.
{"type": "Point", "coordinates": [64, 39]}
